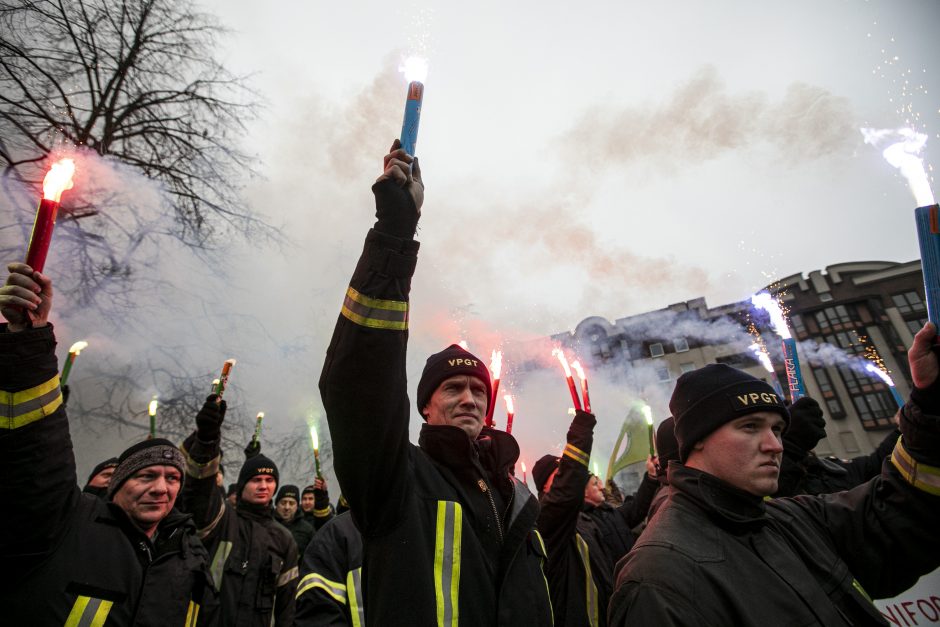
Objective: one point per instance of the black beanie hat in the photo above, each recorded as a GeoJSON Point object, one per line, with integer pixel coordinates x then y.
{"type": "Point", "coordinates": [543, 469]}
{"type": "Point", "coordinates": [288, 491]}
{"type": "Point", "coordinates": [450, 362]}
{"type": "Point", "coordinates": [307, 490]}
{"type": "Point", "coordinates": [667, 447]}
{"type": "Point", "coordinates": [155, 452]}
{"type": "Point", "coordinates": [707, 398]}
{"type": "Point", "coordinates": [111, 462]}
{"type": "Point", "coordinates": [254, 466]}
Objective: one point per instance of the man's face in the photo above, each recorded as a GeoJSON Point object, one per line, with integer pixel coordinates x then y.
{"type": "Point", "coordinates": [286, 507]}
{"type": "Point", "coordinates": [459, 401]}
{"type": "Point", "coordinates": [306, 502]}
{"type": "Point", "coordinates": [259, 490]}
{"type": "Point", "coordinates": [220, 479]}
{"type": "Point", "coordinates": [102, 479]}
{"type": "Point", "coordinates": [594, 491]}
{"type": "Point", "coordinates": [744, 452]}
{"type": "Point", "coordinates": [148, 496]}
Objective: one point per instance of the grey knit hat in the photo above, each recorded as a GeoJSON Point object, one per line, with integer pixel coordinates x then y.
{"type": "Point", "coordinates": [155, 452]}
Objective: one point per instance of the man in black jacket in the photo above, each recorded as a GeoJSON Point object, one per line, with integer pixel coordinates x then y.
{"type": "Point", "coordinates": [71, 558]}
{"type": "Point", "coordinates": [315, 504]}
{"type": "Point", "coordinates": [253, 558]}
{"type": "Point", "coordinates": [718, 553]}
{"type": "Point", "coordinates": [448, 533]}
{"type": "Point", "coordinates": [330, 590]}
{"type": "Point", "coordinates": [288, 514]}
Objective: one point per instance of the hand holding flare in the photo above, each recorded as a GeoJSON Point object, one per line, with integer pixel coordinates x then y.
{"type": "Point", "coordinates": [564, 364]}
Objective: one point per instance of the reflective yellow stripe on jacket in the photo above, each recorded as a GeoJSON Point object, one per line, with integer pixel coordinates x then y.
{"type": "Point", "coordinates": [354, 588]}
{"type": "Point", "coordinates": [88, 611]}
{"type": "Point", "coordinates": [921, 476]}
{"type": "Point", "coordinates": [315, 580]}
{"type": "Point", "coordinates": [192, 614]}
{"type": "Point", "coordinates": [591, 589]}
{"type": "Point", "coordinates": [577, 455]}
{"type": "Point", "coordinates": [375, 313]}
{"type": "Point", "coordinates": [18, 409]}
{"type": "Point", "coordinates": [447, 562]}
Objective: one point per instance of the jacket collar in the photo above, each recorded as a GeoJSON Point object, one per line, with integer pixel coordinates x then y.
{"type": "Point", "coordinates": [718, 498]}
{"type": "Point", "coordinates": [496, 451]}
{"type": "Point", "coordinates": [253, 511]}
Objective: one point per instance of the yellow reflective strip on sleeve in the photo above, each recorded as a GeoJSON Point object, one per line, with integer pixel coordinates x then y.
{"type": "Point", "coordinates": [288, 576]}
{"type": "Point", "coordinates": [18, 409]}
{"type": "Point", "coordinates": [861, 590]}
{"type": "Point", "coordinates": [201, 471]}
{"type": "Point", "coordinates": [320, 513]}
{"type": "Point", "coordinates": [375, 313]}
{"type": "Point", "coordinates": [573, 452]}
{"type": "Point", "coordinates": [316, 580]}
{"type": "Point", "coordinates": [77, 610]}
{"type": "Point", "coordinates": [354, 587]}
{"type": "Point", "coordinates": [590, 587]}
{"type": "Point", "coordinates": [921, 476]}
{"type": "Point", "coordinates": [102, 614]}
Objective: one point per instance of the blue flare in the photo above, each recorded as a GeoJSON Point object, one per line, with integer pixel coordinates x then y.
{"type": "Point", "coordinates": [409, 127]}
{"type": "Point", "coordinates": [928, 236]}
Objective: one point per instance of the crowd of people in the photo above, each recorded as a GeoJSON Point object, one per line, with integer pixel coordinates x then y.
{"type": "Point", "coordinates": [736, 521]}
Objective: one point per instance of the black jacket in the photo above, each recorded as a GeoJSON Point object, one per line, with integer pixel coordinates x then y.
{"type": "Point", "coordinates": [446, 528]}
{"type": "Point", "coordinates": [714, 555]}
{"type": "Point", "coordinates": [253, 558]}
{"type": "Point", "coordinates": [330, 590]}
{"type": "Point", "coordinates": [301, 530]}
{"type": "Point", "coordinates": [804, 473]}
{"type": "Point", "coordinates": [67, 554]}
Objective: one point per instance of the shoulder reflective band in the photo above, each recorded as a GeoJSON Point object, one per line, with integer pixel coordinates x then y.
{"type": "Point", "coordinates": [217, 567]}
{"type": "Point", "coordinates": [192, 614]}
{"type": "Point", "coordinates": [316, 580]}
{"type": "Point", "coordinates": [591, 599]}
{"type": "Point", "coordinates": [577, 454]}
{"type": "Point", "coordinates": [354, 587]}
{"type": "Point", "coordinates": [447, 562]}
{"type": "Point", "coordinates": [18, 409]}
{"type": "Point", "coordinates": [921, 476]}
{"type": "Point", "coordinates": [88, 612]}
{"type": "Point", "coordinates": [288, 576]}
{"type": "Point", "coordinates": [375, 313]}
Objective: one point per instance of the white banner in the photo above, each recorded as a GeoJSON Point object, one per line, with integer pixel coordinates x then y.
{"type": "Point", "coordinates": [918, 606]}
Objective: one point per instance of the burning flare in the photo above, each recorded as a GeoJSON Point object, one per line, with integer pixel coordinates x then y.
{"type": "Point", "coordinates": [560, 354]}
{"type": "Point", "coordinates": [314, 438]}
{"type": "Point", "coordinates": [415, 69]}
{"type": "Point", "coordinates": [58, 179]}
{"type": "Point", "coordinates": [152, 408]}
{"type": "Point", "coordinates": [903, 152]}
{"type": "Point", "coordinates": [509, 407]}
{"type": "Point", "coordinates": [648, 414]}
{"type": "Point", "coordinates": [778, 320]}
{"type": "Point", "coordinates": [78, 347]}
{"type": "Point", "coordinates": [496, 363]}
{"type": "Point", "coordinates": [881, 374]}
{"type": "Point", "coordinates": [761, 353]}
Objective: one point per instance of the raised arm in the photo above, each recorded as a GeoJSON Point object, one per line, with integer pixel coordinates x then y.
{"type": "Point", "coordinates": [202, 450]}
{"type": "Point", "coordinates": [363, 384]}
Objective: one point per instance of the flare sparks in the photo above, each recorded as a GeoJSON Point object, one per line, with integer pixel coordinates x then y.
{"type": "Point", "coordinates": [778, 320]}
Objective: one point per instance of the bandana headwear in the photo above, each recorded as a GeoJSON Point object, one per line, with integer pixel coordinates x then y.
{"type": "Point", "coordinates": [707, 398]}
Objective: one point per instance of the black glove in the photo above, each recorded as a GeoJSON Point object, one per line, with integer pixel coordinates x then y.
{"type": "Point", "coordinates": [209, 419]}
{"type": "Point", "coordinates": [253, 448]}
{"type": "Point", "coordinates": [321, 498]}
{"type": "Point", "coordinates": [807, 425]}
{"type": "Point", "coordinates": [395, 209]}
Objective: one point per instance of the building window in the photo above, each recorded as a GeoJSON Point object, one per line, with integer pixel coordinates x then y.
{"type": "Point", "coordinates": [915, 325]}
{"type": "Point", "coordinates": [796, 321]}
{"type": "Point", "coordinates": [825, 297]}
{"type": "Point", "coordinates": [823, 380]}
{"type": "Point", "coordinates": [687, 367]}
{"type": "Point", "coordinates": [656, 350]}
{"type": "Point", "coordinates": [908, 302]}
{"type": "Point", "coordinates": [875, 409]}
{"type": "Point", "coordinates": [681, 344]}
{"type": "Point", "coordinates": [834, 316]}
{"type": "Point", "coordinates": [857, 383]}
{"type": "Point", "coordinates": [846, 340]}
{"type": "Point", "coordinates": [663, 374]}
{"type": "Point", "coordinates": [836, 410]}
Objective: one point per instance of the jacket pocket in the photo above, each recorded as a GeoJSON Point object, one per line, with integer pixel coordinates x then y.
{"type": "Point", "coordinates": [267, 582]}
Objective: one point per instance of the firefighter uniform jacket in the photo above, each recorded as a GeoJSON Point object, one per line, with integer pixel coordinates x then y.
{"type": "Point", "coordinates": [71, 558]}
{"type": "Point", "coordinates": [330, 590]}
{"type": "Point", "coordinates": [300, 529]}
{"type": "Point", "coordinates": [448, 533]}
{"type": "Point", "coordinates": [253, 558]}
{"type": "Point", "coordinates": [715, 555]}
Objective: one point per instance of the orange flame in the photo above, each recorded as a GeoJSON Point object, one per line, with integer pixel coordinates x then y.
{"type": "Point", "coordinates": [577, 368]}
{"type": "Point", "coordinates": [560, 354]}
{"type": "Point", "coordinates": [496, 363]}
{"type": "Point", "coordinates": [509, 407]}
{"type": "Point", "coordinates": [58, 179]}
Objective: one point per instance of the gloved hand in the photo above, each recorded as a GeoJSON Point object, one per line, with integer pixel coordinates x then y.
{"type": "Point", "coordinates": [399, 194]}
{"type": "Point", "coordinates": [253, 448]}
{"type": "Point", "coordinates": [66, 392]}
{"type": "Point", "coordinates": [321, 494]}
{"type": "Point", "coordinates": [807, 426]}
{"type": "Point", "coordinates": [209, 419]}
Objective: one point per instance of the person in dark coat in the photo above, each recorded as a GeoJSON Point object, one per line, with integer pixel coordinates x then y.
{"type": "Point", "coordinates": [718, 553]}
{"type": "Point", "coordinates": [667, 450]}
{"type": "Point", "coordinates": [72, 558]}
{"type": "Point", "coordinates": [100, 476]}
{"type": "Point", "coordinates": [288, 514]}
{"type": "Point", "coordinates": [330, 590]}
{"type": "Point", "coordinates": [448, 533]}
{"type": "Point", "coordinates": [253, 557]}
{"type": "Point", "coordinates": [802, 472]}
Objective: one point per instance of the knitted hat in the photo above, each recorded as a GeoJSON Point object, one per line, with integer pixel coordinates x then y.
{"type": "Point", "coordinates": [288, 491]}
{"type": "Point", "coordinates": [667, 448]}
{"type": "Point", "coordinates": [543, 469]}
{"type": "Point", "coordinates": [108, 463]}
{"type": "Point", "coordinates": [254, 466]}
{"type": "Point", "coordinates": [707, 398]}
{"type": "Point", "coordinates": [307, 490]}
{"type": "Point", "coordinates": [155, 452]}
{"type": "Point", "coordinates": [450, 362]}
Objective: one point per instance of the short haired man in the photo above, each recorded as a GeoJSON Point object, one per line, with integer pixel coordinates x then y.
{"type": "Point", "coordinates": [315, 504]}
{"type": "Point", "coordinates": [100, 477]}
{"type": "Point", "coordinates": [71, 558]}
{"type": "Point", "coordinates": [448, 533]}
{"type": "Point", "coordinates": [253, 558]}
{"type": "Point", "coordinates": [718, 553]}
{"type": "Point", "coordinates": [288, 514]}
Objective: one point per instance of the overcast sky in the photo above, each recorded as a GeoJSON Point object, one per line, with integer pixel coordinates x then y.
{"type": "Point", "coordinates": [599, 158]}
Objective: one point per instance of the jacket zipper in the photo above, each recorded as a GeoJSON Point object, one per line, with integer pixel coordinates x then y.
{"type": "Point", "coordinates": [486, 490]}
